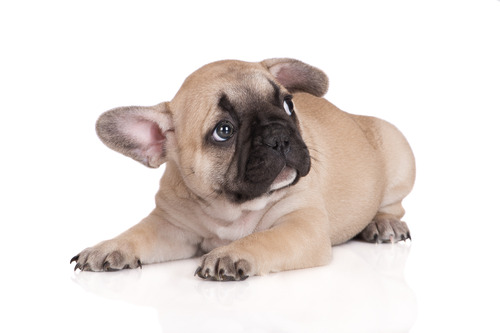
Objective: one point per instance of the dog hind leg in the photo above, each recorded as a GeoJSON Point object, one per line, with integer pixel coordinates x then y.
{"type": "Point", "coordinates": [399, 164]}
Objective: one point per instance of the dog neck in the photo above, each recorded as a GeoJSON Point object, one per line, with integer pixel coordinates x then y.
{"type": "Point", "coordinates": [211, 216]}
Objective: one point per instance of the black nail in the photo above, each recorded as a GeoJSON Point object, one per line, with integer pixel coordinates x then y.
{"type": "Point", "coordinates": [220, 274]}
{"type": "Point", "coordinates": [106, 266]}
{"type": "Point", "coordinates": [241, 274]}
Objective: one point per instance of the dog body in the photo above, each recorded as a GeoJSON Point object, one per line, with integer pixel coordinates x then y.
{"type": "Point", "coordinates": [258, 182]}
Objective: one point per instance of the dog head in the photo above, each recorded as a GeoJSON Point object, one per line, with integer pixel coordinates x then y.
{"type": "Point", "coordinates": [231, 130]}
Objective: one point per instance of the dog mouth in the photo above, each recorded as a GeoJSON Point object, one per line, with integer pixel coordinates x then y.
{"type": "Point", "coordinates": [273, 158]}
{"type": "Point", "coordinates": [286, 177]}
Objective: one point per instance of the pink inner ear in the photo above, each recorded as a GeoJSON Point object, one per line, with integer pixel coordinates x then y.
{"type": "Point", "coordinates": [289, 75]}
{"type": "Point", "coordinates": [148, 135]}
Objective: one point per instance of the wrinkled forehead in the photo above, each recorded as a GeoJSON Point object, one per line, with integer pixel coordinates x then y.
{"type": "Point", "coordinates": [239, 82]}
{"type": "Point", "coordinates": [236, 78]}
{"type": "Point", "coordinates": [248, 88]}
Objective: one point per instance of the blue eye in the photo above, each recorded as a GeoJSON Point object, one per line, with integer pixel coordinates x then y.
{"type": "Point", "coordinates": [288, 105]}
{"type": "Point", "coordinates": [223, 131]}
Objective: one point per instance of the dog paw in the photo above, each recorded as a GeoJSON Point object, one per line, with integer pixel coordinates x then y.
{"type": "Point", "coordinates": [385, 229]}
{"type": "Point", "coordinates": [106, 256]}
{"type": "Point", "coordinates": [220, 266]}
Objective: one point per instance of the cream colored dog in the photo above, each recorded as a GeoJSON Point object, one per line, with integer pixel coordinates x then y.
{"type": "Point", "coordinates": [262, 174]}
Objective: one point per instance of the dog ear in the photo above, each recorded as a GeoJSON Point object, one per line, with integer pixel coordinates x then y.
{"type": "Point", "coordinates": [295, 75]}
{"type": "Point", "coordinates": [137, 132]}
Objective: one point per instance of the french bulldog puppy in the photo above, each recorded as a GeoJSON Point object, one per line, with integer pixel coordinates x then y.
{"type": "Point", "coordinates": [262, 173]}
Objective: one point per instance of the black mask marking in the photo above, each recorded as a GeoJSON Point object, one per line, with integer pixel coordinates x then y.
{"type": "Point", "coordinates": [268, 140]}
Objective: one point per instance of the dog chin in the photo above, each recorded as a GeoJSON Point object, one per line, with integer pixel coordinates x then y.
{"type": "Point", "coordinates": [285, 178]}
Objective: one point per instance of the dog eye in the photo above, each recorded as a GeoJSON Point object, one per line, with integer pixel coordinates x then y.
{"type": "Point", "coordinates": [288, 105]}
{"type": "Point", "coordinates": [223, 131]}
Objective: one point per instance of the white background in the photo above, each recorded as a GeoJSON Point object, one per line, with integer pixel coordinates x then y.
{"type": "Point", "coordinates": [431, 67]}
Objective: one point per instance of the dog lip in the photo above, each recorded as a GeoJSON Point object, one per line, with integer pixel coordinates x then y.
{"type": "Point", "coordinates": [286, 177]}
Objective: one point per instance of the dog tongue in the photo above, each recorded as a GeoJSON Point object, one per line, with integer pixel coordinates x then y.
{"type": "Point", "coordinates": [285, 178]}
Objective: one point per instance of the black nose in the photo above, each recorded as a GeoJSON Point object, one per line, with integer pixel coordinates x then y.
{"type": "Point", "coordinates": [277, 138]}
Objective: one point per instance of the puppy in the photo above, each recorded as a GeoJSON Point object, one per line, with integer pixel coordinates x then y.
{"type": "Point", "coordinates": [262, 174]}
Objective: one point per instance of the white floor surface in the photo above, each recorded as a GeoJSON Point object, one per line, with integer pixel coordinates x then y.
{"type": "Point", "coordinates": [433, 284]}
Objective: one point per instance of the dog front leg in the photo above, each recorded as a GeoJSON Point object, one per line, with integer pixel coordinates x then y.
{"type": "Point", "coordinates": [151, 240]}
{"type": "Point", "coordinates": [298, 240]}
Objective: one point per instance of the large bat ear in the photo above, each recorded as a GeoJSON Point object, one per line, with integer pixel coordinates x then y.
{"type": "Point", "coordinates": [295, 75]}
{"type": "Point", "coordinates": [137, 132]}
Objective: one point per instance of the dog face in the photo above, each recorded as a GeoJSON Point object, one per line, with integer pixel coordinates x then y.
{"type": "Point", "coordinates": [247, 135]}
{"type": "Point", "coordinates": [231, 130]}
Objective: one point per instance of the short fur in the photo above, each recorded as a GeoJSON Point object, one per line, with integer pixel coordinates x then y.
{"type": "Point", "coordinates": [276, 194]}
